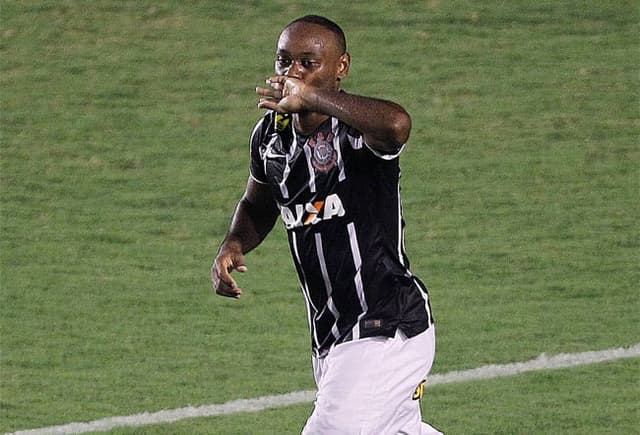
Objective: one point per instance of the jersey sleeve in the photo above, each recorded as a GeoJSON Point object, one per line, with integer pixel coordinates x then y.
{"type": "Point", "coordinates": [357, 142]}
{"type": "Point", "coordinates": [256, 166]}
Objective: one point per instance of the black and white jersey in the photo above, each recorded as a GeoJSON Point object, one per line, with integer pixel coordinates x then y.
{"type": "Point", "coordinates": [340, 203]}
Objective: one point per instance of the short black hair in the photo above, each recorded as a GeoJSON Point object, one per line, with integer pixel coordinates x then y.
{"type": "Point", "coordinates": [327, 24]}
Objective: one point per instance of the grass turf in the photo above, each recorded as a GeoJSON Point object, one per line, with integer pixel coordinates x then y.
{"type": "Point", "coordinates": [124, 147]}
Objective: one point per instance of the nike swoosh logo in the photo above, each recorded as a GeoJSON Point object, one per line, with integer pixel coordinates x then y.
{"type": "Point", "coordinates": [270, 154]}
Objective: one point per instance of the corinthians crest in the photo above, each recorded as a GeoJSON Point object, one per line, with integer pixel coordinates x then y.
{"type": "Point", "coordinates": [323, 155]}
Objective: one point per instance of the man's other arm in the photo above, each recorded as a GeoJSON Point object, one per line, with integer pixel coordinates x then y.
{"type": "Point", "coordinates": [252, 220]}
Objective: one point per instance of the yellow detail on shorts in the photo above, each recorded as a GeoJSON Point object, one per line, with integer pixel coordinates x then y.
{"type": "Point", "coordinates": [417, 395]}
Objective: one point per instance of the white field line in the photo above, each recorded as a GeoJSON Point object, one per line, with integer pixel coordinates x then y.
{"type": "Point", "coordinates": [543, 362]}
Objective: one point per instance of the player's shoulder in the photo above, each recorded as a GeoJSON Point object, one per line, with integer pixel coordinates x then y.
{"type": "Point", "coordinates": [260, 130]}
{"type": "Point", "coordinates": [262, 124]}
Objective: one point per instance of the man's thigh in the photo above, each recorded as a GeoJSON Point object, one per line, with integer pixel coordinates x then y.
{"type": "Point", "coordinates": [367, 386]}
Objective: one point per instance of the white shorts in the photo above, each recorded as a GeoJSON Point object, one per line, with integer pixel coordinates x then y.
{"type": "Point", "coordinates": [369, 386]}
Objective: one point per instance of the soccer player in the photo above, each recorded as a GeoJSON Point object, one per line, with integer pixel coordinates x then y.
{"type": "Point", "coordinates": [326, 162]}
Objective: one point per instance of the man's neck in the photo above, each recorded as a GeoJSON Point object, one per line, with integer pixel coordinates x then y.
{"type": "Point", "coordinates": [305, 123]}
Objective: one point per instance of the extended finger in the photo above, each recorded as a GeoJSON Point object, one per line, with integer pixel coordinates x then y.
{"type": "Point", "coordinates": [276, 81]}
{"type": "Point", "coordinates": [228, 289]}
{"type": "Point", "coordinates": [269, 104]}
{"type": "Point", "coordinates": [234, 292]}
{"type": "Point", "coordinates": [269, 92]}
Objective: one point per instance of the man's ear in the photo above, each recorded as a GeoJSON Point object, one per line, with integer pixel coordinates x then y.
{"type": "Point", "coordinates": [343, 66]}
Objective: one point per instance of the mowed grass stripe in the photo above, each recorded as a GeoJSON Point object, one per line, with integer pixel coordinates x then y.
{"type": "Point", "coordinates": [542, 362]}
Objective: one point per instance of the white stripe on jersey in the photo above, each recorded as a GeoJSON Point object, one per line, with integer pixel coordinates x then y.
{"type": "Point", "coordinates": [401, 257]}
{"type": "Point", "coordinates": [287, 168]}
{"type": "Point", "coordinates": [384, 156]}
{"type": "Point", "coordinates": [356, 142]}
{"type": "Point", "coordinates": [305, 291]}
{"type": "Point", "coordinates": [312, 175]}
{"type": "Point", "coordinates": [336, 146]}
{"type": "Point", "coordinates": [307, 153]}
{"type": "Point", "coordinates": [327, 284]}
{"type": "Point", "coordinates": [253, 133]}
{"type": "Point", "coordinates": [425, 296]}
{"type": "Point", "coordinates": [282, 184]}
{"type": "Point", "coordinates": [400, 230]}
{"type": "Point", "coordinates": [357, 261]}
{"type": "Point", "coordinates": [270, 153]}
{"type": "Point", "coordinates": [253, 177]}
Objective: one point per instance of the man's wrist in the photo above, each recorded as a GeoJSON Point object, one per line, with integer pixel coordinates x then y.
{"type": "Point", "coordinates": [230, 245]}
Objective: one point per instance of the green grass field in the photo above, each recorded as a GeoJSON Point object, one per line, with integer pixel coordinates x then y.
{"type": "Point", "coordinates": [124, 147]}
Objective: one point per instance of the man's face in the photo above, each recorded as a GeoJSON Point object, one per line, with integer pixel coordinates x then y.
{"type": "Point", "coordinates": [309, 52]}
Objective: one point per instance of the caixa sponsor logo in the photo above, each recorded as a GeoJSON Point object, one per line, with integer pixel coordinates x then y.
{"type": "Point", "coordinates": [312, 212]}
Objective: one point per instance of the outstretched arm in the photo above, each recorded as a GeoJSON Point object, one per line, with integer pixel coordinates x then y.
{"type": "Point", "coordinates": [385, 125]}
{"type": "Point", "coordinates": [252, 220]}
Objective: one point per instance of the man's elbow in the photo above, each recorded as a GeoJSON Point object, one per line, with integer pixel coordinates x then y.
{"type": "Point", "coordinates": [393, 134]}
{"type": "Point", "coordinates": [401, 127]}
